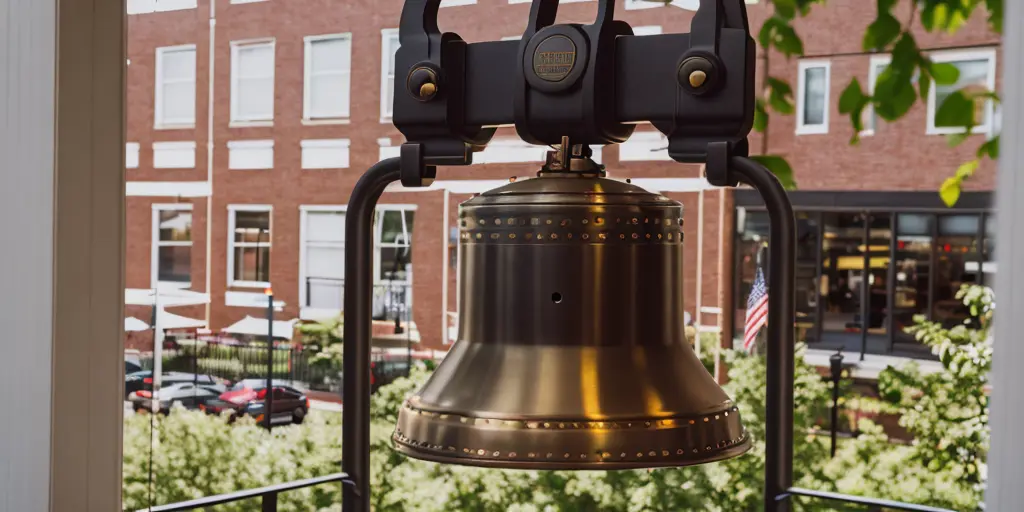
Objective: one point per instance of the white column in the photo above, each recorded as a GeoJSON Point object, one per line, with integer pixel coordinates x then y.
{"type": "Point", "coordinates": [62, 205]}
{"type": "Point", "coordinates": [1006, 458]}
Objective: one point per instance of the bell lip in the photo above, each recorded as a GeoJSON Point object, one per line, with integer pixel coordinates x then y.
{"type": "Point", "coordinates": [415, 405]}
{"type": "Point", "coordinates": [717, 455]}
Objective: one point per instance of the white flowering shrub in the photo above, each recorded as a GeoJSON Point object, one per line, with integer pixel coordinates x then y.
{"type": "Point", "coordinates": [195, 455]}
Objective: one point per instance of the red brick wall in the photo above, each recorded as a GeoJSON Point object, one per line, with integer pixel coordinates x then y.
{"type": "Point", "coordinates": [820, 161]}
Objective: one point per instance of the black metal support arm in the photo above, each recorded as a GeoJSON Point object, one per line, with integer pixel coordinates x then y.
{"type": "Point", "coordinates": [781, 315]}
{"type": "Point", "coordinates": [358, 304]}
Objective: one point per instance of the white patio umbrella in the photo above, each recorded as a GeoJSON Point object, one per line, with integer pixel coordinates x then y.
{"type": "Point", "coordinates": [159, 299]}
{"type": "Point", "coordinates": [132, 324]}
{"type": "Point", "coordinates": [283, 329]}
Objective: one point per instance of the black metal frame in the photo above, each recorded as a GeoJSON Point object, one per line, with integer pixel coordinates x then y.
{"type": "Point", "coordinates": [603, 79]}
{"type": "Point", "coordinates": [268, 495]}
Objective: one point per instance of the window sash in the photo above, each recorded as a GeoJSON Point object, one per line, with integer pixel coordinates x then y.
{"type": "Point", "coordinates": [337, 76]}
{"type": "Point", "coordinates": [184, 87]}
{"type": "Point", "coordinates": [389, 48]}
{"type": "Point", "coordinates": [985, 109]}
{"type": "Point", "coordinates": [819, 95]}
{"type": "Point", "coordinates": [252, 83]}
{"type": "Point", "coordinates": [237, 248]}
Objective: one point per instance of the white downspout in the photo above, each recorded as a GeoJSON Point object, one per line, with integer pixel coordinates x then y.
{"type": "Point", "coordinates": [698, 316]}
{"type": "Point", "coordinates": [209, 162]}
{"type": "Point", "coordinates": [444, 268]}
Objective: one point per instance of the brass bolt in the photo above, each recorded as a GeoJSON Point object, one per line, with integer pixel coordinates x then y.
{"type": "Point", "coordinates": [697, 78]}
{"type": "Point", "coordinates": [429, 89]}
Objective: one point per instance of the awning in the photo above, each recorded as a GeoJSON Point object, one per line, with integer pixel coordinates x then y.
{"type": "Point", "coordinates": [167, 298]}
{"type": "Point", "coordinates": [132, 324]}
{"type": "Point", "coordinates": [283, 329]}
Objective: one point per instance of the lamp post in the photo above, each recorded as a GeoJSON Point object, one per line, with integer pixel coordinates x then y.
{"type": "Point", "coordinates": [836, 369]}
{"type": "Point", "coordinates": [269, 398]}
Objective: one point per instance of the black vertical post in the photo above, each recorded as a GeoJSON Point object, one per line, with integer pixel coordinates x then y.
{"type": "Point", "coordinates": [865, 292]}
{"type": "Point", "coordinates": [836, 367]}
{"type": "Point", "coordinates": [269, 502]}
{"type": "Point", "coordinates": [890, 292]}
{"type": "Point", "coordinates": [819, 260]}
{"type": "Point", "coordinates": [781, 316]}
{"type": "Point", "coordinates": [269, 399]}
{"type": "Point", "coordinates": [358, 308]}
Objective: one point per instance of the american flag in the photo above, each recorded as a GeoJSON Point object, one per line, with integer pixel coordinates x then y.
{"type": "Point", "coordinates": [757, 311]}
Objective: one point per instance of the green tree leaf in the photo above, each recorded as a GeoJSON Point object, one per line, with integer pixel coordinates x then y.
{"type": "Point", "coordinates": [882, 32]}
{"type": "Point", "coordinates": [853, 97]}
{"type": "Point", "coordinates": [943, 73]}
{"type": "Point", "coordinates": [956, 110]}
{"type": "Point", "coordinates": [780, 96]}
{"type": "Point", "coordinates": [777, 32]}
{"type": "Point", "coordinates": [967, 169]}
{"type": "Point", "coordinates": [779, 167]}
{"type": "Point", "coordinates": [955, 139]}
{"type": "Point", "coordinates": [949, 192]}
{"type": "Point", "coordinates": [990, 148]}
{"type": "Point", "coordinates": [760, 116]}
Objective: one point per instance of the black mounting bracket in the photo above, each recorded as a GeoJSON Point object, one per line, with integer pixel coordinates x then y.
{"type": "Point", "coordinates": [591, 83]}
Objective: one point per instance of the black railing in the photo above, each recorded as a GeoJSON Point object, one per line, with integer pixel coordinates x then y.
{"type": "Point", "coordinates": [391, 299]}
{"type": "Point", "coordinates": [268, 495]}
{"type": "Point", "coordinates": [875, 503]}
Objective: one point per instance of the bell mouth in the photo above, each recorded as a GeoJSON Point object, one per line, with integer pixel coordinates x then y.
{"type": "Point", "coordinates": [582, 444]}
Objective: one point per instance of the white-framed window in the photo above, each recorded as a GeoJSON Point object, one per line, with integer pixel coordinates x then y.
{"type": "Point", "coordinates": [977, 74]}
{"type": "Point", "coordinates": [393, 243]}
{"type": "Point", "coordinates": [175, 96]}
{"type": "Point", "coordinates": [249, 242]}
{"type": "Point", "coordinates": [453, 3]}
{"type": "Point", "coordinates": [322, 257]}
{"type": "Point", "coordinates": [252, 81]}
{"type": "Point", "coordinates": [388, 48]}
{"type": "Point", "coordinates": [328, 71]}
{"type": "Point", "coordinates": [171, 258]}
{"type": "Point", "coordinates": [875, 69]}
{"type": "Point", "coordinates": [392, 294]}
{"type": "Point", "coordinates": [812, 96]}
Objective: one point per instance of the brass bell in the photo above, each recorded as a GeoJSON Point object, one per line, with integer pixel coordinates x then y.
{"type": "Point", "coordinates": [571, 351]}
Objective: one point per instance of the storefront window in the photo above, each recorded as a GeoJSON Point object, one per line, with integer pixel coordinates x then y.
{"type": "Point", "coordinates": [807, 246]}
{"type": "Point", "coordinates": [956, 264]}
{"type": "Point", "coordinates": [751, 240]}
{"type": "Point", "coordinates": [913, 267]}
{"type": "Point", "coordinates": [879, 256]}
{"type": "Point", "coordinates": [988, 266]}
{"type": "Point", "coordinates": [842, 279]}
{"type": "Point", "coordinates": [862, 276]}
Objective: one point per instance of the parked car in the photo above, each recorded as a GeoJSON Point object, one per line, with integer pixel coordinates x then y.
{"type": "Point", "coordinates": [143, 381]}
{"type": "Point", "coordinates": [186, 394]}
{"type": "Point", "coordinates": [290, 404]}
{"type": "Point", "coordinates": [132, 361]}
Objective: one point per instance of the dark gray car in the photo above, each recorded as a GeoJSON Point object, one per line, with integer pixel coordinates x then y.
{"type": "Point", "coordinates": [186, 394]}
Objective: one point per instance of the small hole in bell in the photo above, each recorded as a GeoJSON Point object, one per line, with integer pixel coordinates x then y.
{"type": "Point", "coordinates": [556, 298]}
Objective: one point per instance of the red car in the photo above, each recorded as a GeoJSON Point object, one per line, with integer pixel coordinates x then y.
{"type": "Point", "coordinates": [248, 397]}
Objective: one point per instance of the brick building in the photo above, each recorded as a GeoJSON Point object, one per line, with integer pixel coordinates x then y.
{"type": "Point", "coordinates": [249, 122]}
